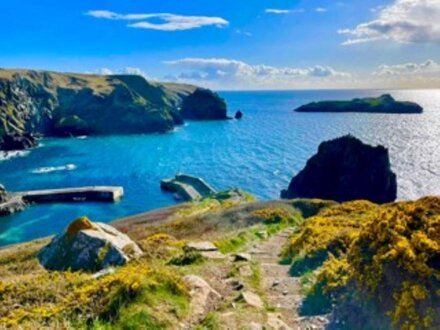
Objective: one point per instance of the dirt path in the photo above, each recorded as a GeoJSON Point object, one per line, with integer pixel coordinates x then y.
{"type": "Point", "coordinates": [283, 290]}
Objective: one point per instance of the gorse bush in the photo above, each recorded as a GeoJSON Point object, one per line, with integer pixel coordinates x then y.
{"type": "Point", "coordinates": [331, 231]}
{"type": "Point", "coordinates": [399, 253]}
{"type": "Point", "coordinates": [275, 215]}
{"type": "Point", "coordinates": [388, 256]}
{"type": "Point", "coordinates": [60, 296]}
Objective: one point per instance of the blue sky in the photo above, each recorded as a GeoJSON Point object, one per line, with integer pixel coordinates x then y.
{"type": "Point", "coordinates": [231, 44]}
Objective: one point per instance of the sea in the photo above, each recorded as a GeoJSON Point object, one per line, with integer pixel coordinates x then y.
{"type": "Point", "coordinates": [259, 154]}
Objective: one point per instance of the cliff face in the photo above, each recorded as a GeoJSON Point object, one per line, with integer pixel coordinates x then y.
{"type": "Point", "coordinates": [204, 104]}
{"type": "Point", "coordinates": [56, 104]}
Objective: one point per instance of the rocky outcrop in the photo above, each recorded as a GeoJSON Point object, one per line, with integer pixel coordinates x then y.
{"type": "Point", "coordinates": [204, 104]}
{"type": "Point", "coordinates": [10, 203]}
{"type": "Point", "coordinates": [203, 296]}
{"type": "Point", "coordinates": [57, 104]}
{"type": "Point", "coordinates": [238, 115]}
{"type": "Point", "coordinates": [252, 299]}
{"type": "Point", "coordinates": [346, 169]}
{"type": "Point", "coordinates": [383, 104]}
{"type": "Point", "coordinates": [3, 193]}
{"type": "Point", "coordinates": [88, 246]}
{"type": "Point", "coordinates": [23, 141]}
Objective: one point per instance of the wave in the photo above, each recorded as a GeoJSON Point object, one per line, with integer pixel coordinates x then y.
{"type": "Point", "coordinates": [50, 169]}
{"type": "Point", "coordinates": [5, 155]}
{"type": "Point", "coordinates": [82, 137]}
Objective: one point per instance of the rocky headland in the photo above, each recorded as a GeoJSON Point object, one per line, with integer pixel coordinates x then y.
{"type": "Point", "coordinates": [383, 104]}
{"type": "Point", "coordinates": [62, 104]}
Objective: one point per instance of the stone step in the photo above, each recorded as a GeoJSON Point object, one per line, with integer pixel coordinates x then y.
{"type": "Point", "coordinates": [267, 259]}
{"type": "Point", "coordinates": [274, 270]}
{"type": "Point", "coordinates": [263, 253]}
{"type": "Point", "coordinates": [277, 285]}
{"type": "Point", "coordinates": [310, 322]}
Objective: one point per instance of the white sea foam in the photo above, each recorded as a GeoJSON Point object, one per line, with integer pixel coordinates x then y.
{"type": "Point", "coordinates": [82, 137]}
{"type": "Point", "coordinates": [50, 169]}
{"type": "Point", "coordinates": [4, 155]}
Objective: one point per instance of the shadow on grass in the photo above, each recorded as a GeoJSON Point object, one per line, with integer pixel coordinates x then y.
{"type": "Point", "coordinates": [300, 266]}
{"type": "Point", "coordinates": [316, 303]}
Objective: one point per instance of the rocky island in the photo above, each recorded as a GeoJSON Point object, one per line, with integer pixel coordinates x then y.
{"type": "Point", "coordinates": [60, 104]}
{"type": "Point", "coordinates": [383, 104]}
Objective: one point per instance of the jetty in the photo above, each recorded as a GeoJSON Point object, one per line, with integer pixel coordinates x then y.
{"type": "Point", "coordinates": [188, 187]}
{"type": "Point", "coordinates": [83, 194]}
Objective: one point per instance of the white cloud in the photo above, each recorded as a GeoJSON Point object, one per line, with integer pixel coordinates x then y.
{"type": "Point", "coordinates": [404, 21]}
{"type": "Point", "coordinates": [161, 21]}
{"type": "Point", "coordinates": [424, 69]}
{"type": "Point", "coordinates": [320, 10]}
{"type": "Point", "coordinates": [234, 73]}
{"type": "Point", "coordinates": [126, 70]}
{"type": "Point", "coordinates": [245, 33]}
{"type": "Point", "coordinates": [277, 11]}
{"type": "Point", "coordinates": [283, 11]}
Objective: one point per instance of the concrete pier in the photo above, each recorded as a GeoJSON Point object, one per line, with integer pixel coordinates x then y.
{"type": "Point", "coordinates": [82, 194]}
{"type": "Point", "coordinates": [188, 187]}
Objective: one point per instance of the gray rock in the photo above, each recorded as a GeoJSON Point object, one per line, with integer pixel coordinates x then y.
{"type": "Point", "coordinates": [88, 246]}
{"type": "Point", "coordinates": [274, 322]}
{"type": "Point", "coordinates": [200, 246]}
{"type": "Point", "coordinates": [104, 272]}
{"type": "Point", "coordinates": [202, 295]}
{"type": "Point", "coordinates": [255, 326]}
{"type": "Point", "coordinates": [234, 284]}
{"type": "Point", "coordinates": [245, 270]}
{"type": "Point", "coordinates": [252, 299]}
{"type": "Point", "coordinates": [10, 204]}
{"type": "Point", "coordinates": [213, 255]}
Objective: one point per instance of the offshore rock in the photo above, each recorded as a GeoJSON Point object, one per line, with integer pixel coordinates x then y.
{"type": "Point", "coordinates": [346, 169]}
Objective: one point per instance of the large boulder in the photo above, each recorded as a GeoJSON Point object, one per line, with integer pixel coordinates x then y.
{"type": "Point", "coordinates": [346, 169]}
{"type": "Point", "coordinates": [23, 141]}
{"type": "Point", "coordinates": [88, 246]}
{"type": "Point", "coordinates": [204, 104]}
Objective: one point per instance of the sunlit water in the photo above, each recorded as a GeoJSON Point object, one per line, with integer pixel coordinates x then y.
{"type": "Point", "coordinates": [259, 154]}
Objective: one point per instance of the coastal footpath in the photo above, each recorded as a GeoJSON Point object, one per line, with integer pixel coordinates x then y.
{"type": "Point", "coordinates": [43, 103]}
{"type": "Point", "coordinates": [237, 263]}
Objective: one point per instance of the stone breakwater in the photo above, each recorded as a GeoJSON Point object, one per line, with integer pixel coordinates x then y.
{"type": "Point", "coordinates": [16, 201]}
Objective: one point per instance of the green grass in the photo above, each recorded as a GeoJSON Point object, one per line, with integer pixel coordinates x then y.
{"type": "Point", "coordinates": [210, 322]}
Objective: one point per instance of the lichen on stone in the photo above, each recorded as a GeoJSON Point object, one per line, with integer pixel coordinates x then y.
{"type": "Point", "coordinates": [82, 223]}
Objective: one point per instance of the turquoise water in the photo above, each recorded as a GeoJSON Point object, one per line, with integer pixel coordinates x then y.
{"type": "Point", "coordinates": [259, 154]}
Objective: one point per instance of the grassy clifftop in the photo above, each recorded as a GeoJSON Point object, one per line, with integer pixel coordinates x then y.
{"type": "Point", "coordinates": [53, 103]}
